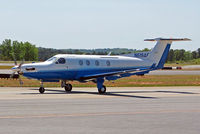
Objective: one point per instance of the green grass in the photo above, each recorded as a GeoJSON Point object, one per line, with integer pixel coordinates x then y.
{"type": "Point", "coordinates": [6, 67]}
{"type": "Point", "coordinates": [133, 81]}
{"type": "Point", "coordinates": [183, 63]}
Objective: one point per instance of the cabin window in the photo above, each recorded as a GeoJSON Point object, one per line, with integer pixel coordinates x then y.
{"type": "Point", "coordinates": [97, 63]}
{"type": "Point", "coordinates": [80, 62]}
{"type": "Point", "coordinates": [87, 62]}
{"type": "Point", "coordinates": [108, 63]}
{"type": "Point", "coordinates": [61, 61]}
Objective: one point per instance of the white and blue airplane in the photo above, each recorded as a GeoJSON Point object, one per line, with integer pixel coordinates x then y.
{"type": "Point", "coordinates": [96, 68]}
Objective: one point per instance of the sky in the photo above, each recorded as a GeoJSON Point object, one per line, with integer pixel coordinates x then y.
{"type": "Point", "coordinates": [90, 24]}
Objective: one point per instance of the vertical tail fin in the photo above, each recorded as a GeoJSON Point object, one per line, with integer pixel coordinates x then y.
{"type": "Point", "coordinates": [159, 53]}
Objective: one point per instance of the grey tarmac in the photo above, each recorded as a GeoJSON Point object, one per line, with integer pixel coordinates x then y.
{"type": "Point", "coordinates": [126, 110]}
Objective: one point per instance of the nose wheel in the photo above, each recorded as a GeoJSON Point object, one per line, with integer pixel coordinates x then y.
{"type": "Point", "coordinates": [41, 90]}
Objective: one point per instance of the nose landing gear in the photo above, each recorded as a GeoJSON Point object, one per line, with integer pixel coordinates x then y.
{"type": "Point", "coordinates": [41, 89]}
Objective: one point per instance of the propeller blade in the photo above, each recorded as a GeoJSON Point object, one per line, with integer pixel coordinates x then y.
{"type": "Point", "coordinates": [15, 61]}
{"type": "Point", "coordinates": [23, 61]}
{"type": "Point", "coordinates": [19, 67]}
{"type": "Point", "coordinates": [20, 81]}
{"type": "Point", "coordinates": [21, 64]}
{"type": "Point", "coordinates": [12, 75]}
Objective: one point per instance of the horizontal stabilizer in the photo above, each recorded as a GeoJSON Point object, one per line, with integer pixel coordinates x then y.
{"type": "Point", "coordinates": [168, 39]}
{"type": "Point", "coordinates": [160, 52]}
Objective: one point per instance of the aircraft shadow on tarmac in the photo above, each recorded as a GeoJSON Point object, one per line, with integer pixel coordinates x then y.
{"type": "Point", "coordinates": [93, 93]}
{"type": "Point", "coordinates": [176, 92]}
{"type": "Point", "coordinates": [115, 93]}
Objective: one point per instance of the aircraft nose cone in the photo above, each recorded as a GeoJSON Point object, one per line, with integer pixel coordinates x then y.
{"type": "Point", "coordinates": [14, 68]}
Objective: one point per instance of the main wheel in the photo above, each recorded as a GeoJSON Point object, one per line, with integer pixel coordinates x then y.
{"type": "Point", "coordinates": [68, 87]}
{"type": "Point", "coordinates": [41, 90]}
{"type": "Point", "coordinates": [102, 90]}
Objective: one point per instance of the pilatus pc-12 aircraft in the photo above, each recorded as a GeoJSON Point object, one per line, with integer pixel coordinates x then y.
{"type": "Point", "coordinates": [96, 68]}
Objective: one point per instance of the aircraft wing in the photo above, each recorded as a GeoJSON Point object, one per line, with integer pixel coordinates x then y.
{"type": "Point", "coordinates": [86, 77]}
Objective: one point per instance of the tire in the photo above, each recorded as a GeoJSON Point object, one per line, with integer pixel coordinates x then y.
{"type": "Point", "coordinates": [102, 90]}
{"type": "Point", "coordinates": [68, 87]}
{"type": "Point", "coordinates": [41, 90]}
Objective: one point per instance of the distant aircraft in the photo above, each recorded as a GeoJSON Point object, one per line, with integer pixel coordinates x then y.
{"type": "Point", "coordinates": [96, 68]}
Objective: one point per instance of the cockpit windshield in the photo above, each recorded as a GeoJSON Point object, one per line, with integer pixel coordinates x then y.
{"type": "Point", "coordinates": [51, 59]}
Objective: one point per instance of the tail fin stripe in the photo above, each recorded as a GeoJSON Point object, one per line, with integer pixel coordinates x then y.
{"type": "Point", "coordinates": [164, 57]}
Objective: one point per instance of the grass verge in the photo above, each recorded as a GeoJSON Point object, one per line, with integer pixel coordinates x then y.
{"type": "Point", "coordinates": [133, 81]}
{"type": "Point", "coordinates": [6, 67]}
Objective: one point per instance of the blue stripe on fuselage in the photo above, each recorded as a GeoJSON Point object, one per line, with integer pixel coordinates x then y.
{"type": "Point", "coordinates": [72, 74]}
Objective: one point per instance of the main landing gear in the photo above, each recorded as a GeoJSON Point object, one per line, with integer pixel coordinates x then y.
{"type": "Point", "coordinates": [101, 88]}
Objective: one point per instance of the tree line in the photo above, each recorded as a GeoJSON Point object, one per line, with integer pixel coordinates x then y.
{"type": "Point", "coordinates": [29, 52]}
{"type": "Point", "coordinates": [11, 50]}
{"type": "Point", "coordinates": [182, 55]}
{"type": "Point", "coordinates": [45, 53]}
{"type": "Point", "coordinates": [174, 55]}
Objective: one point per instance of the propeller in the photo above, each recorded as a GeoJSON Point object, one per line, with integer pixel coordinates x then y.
{"type": "Point", "coordinates": [15, 61]}
{"type": "Point", "coordinates": [17, 69]}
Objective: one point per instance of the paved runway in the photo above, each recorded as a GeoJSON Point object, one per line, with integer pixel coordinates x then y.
{"type": "Point", "coordinates": [174, 72]}
{"type": "Point", "coordinates": [126, 110]}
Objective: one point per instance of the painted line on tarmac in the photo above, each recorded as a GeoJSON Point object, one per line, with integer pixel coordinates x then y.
{"type": "Point", "coordinates": [97, 114]}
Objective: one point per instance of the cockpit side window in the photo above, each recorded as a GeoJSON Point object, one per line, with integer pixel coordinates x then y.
{"type": "Point", "coordinates": [61, 61]}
